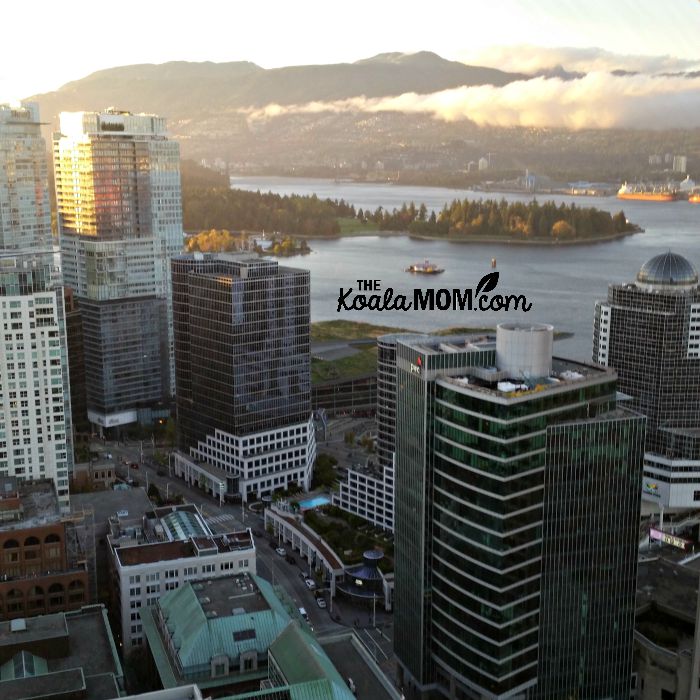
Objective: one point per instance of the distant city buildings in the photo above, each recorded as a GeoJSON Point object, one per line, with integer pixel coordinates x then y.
{"type": "Point", "coordinates": [158, 552]}
{"type": "Point", "coordinates": [649, 332]}
{"type": "Point", "coordinates": [243, 374]}
{"type": "Point", "coordinates": [35, 417]}
{"type": "Point", "coordinates": [680, 164]}
{"type": "Point", "coordinates": [120, 221]}
{"type": "Point", "coordinates": [516, 521]}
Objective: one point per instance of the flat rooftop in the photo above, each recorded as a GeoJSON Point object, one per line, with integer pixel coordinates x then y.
{"type": "Point", "coordinates": [37, 500]}
{"type": "Point", "coordinates": [668, 586]}
{"type": "Point", "coordinates": [182, 549]}
{"type": "Point", "coordinates": [105, 504]}
{"type": "Point", "coordinates": [497, 382]}
{"type": "Point", "coordinates": [91, 662]}
{"type": "Point", "coordinates": [222, 597]}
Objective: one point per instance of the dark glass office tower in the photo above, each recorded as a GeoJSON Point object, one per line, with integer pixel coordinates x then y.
{"type": "Point", "coordinates": [242, 366]}
{"type": "Point", "coordinates": [517, 504]}
{"type": "Point", "coordinates": [649, 332]}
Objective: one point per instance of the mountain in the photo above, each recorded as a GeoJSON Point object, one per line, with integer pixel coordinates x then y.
{"type": "Point", "coordinates": [181, 90]}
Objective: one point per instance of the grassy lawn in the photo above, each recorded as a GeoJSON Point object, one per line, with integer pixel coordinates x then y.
{"type": "Point", "coordinates": [361, 363]}
{"type": "Point", "coordinates": [353, 227]}
{"type": "Point", "coordinates": [349, 330]}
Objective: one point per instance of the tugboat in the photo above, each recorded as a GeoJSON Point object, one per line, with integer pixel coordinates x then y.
{"type": "Point", "coordinates": [426, 268]}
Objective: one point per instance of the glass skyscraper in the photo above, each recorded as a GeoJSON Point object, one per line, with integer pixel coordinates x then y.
{"type": "Point", "coordinates": [649, 332]}
{"type": "Point", "coordinates": [35, 418]}
{"type": "Point", "coordinates": [120, 221]}
{"type": "Point", "coordinates": [243, 373]}
{"type": "Point", "coordinates": [517, 509]}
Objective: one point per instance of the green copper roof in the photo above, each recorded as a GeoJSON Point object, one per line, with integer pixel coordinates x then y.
{"type": "Point", "coordinates": [301, 659]}
{"type": "Point", "coordinates": [198, 638]}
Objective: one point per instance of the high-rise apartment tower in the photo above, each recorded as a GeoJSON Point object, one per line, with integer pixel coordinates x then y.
{"type": "Point", "coordinates": [120, 222]}
{"type": "Point", "coordinates": [35, 419]}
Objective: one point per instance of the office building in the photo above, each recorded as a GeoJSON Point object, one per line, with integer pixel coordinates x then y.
{"type": "Point", "coordinates": [649, 332]}
{"type": "Point", "coordinates": [243, 374]}
{"type": "Point", "coordinates": [48, 558]}
{"type": "Point", "coordinates": [516, 521]}
{"type": "Point", "coordinates": [35, 418]}
{"type": "Point", "coordinates": [160, 551]}
{"type": "Point", "coordinates": [120, 221]}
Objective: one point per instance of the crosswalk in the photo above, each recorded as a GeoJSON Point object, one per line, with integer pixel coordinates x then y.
{"type": "Point", "coordinates": [220, 518]}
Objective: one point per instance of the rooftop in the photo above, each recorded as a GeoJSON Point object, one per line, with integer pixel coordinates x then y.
{"type": "Point", "coordinates": [668, 270]}
{"type": "Point", "coordinates": [496, 382]}
{"type": "Point", "coordinates": [150, 552]}
{"type": "Point", "coordinates": [78, 651]}
{"type": "Point", "coordinates": [236, 595]}
{"type": "Point", "coordinates": [25, 504]}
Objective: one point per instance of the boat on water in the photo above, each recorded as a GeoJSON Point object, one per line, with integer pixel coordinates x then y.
{"type": "Point", "coordinates": [425, 268]}
{"type": "Point", "coordinates": [647, 193]}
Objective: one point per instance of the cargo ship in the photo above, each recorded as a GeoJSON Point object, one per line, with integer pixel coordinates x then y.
{"type": "Point", "coordinates": [647, 194]}
{"type": "Point", "coordinates": [426, 268]}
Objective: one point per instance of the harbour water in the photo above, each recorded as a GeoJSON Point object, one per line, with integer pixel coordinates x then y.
{"type": "Point", "coordinates": [561, 283]}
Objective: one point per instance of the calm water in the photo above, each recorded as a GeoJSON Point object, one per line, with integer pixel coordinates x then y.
{"type": "Point", "coordinates": [562, 283]}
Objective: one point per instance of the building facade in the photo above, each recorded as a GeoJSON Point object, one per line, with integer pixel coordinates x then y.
{"type": "Point", "coordinates": [649, 332]}
{"type": "Point", "coordinates": [517, 510]}
{"type": "Point", "coordinates": [243, 373]}
{"type": "Point", "coordinates": [120, 221]}
{"type": "Point", "coordinates": [35, 417]}
{"type": "Point", "coordinates": [45, 556]}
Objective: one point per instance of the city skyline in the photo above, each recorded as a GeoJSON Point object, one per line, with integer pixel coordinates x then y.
{"type": "Point", "coordinates": [626, 28]}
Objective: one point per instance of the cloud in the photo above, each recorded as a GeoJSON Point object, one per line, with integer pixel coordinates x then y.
{"type": "Point", "coordinates": [597, 100]}
{"type": "Point", "coordinates": [531, 59]}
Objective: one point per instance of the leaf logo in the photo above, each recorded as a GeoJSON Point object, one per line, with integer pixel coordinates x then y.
{"type": "Point", "coordinates": [487, 283]}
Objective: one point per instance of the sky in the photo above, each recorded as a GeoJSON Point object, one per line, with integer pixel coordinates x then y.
{"type": "Point", "coordinates": [53, 43]}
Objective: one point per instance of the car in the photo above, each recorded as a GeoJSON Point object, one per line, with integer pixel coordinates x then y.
{"type": "Point", "coordinates": [291, 559]}
{"type": "Point", "coordinates": [321, 602]}
{"type": "Point", "coordinates": [273, 544]}
{"type": "Point", "coordinates": [302, 612]}
{"type": "Point", "coordinates": [310, 584]}
{"type": "Point", "coordinates": [304, 574]}
{"type": "Point", "coordinates": [134, 465]}
{"type": "Point", "coordinates": [122, 513]}
{"type": "Point", "coordinates": [258, 533]}
{"type": "Point", "coordinates": [281, 551]}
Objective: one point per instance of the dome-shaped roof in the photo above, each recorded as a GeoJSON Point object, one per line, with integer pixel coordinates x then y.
{"type": "Point", "coordinates": [668, 270]}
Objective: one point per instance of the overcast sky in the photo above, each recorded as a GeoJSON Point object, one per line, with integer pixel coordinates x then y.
{"type": "Point", "coordinates": [46, 44]}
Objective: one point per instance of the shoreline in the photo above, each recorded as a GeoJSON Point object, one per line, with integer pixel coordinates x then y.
{"type": "Point", "coordinates": [481, 240]}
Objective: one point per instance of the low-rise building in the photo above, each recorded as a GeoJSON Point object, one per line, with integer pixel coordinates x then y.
{"type": "Point", "coordinates": [235, 635]}
{"type": "Point", "coordinates": [63, 656]}
{"type": "Point", "coordinates": [93, 476]}
{"type": "Point", "coordinates": [162, 550]}
{"type": "Point", "coordinates": [47, 558]}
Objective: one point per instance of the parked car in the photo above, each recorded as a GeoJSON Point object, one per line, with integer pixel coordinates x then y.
{"type": "Point", "coordinates": [134, 465]}
{"type": "Point", "coordinates": [258, 533]}
{"type": "Point", "coordinates": [273, 544]}
{"type": "Point", "coordinates": [281, 551]}
{"type": "Point", "coordinates": [310, 584]}
{"type": "Point", "coordinates": [321, 602]}
{"type": "Point", "coordinates": [304, 574]}
{"type": "Point", "coordinates": [291, 559]}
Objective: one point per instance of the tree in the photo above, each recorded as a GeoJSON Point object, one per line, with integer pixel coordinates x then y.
{"type": "Point", "coordinates": [562, 229]}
